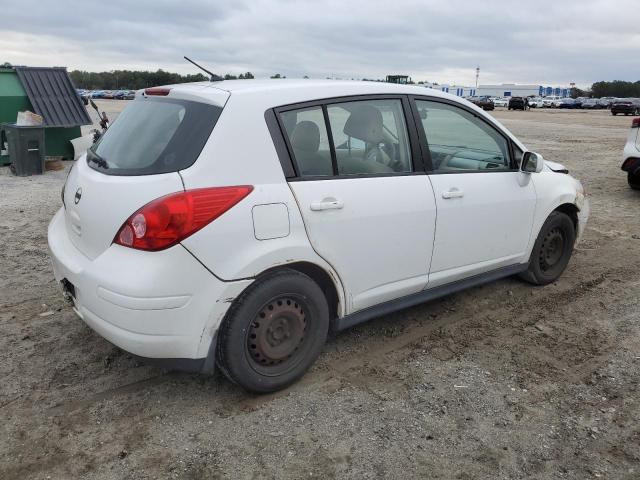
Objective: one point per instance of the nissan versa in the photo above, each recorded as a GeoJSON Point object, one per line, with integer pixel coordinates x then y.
{"type": "Point", "coordinates": [235, 223]}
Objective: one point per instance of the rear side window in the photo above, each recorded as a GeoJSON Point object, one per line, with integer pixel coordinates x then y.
{"type": "Point", "coordinates": [370, 136]}
{"type": "Point", "coordinates": [362, 137]}
{"type": "Point", "coordinates": [309, 140]}
{"type": "Point", "coordinates": [154, 135]}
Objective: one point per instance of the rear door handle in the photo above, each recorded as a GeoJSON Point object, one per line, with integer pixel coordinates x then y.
{"type": "Point", "coordinates": [453, 193]}
{"type": "Point", "coordinates": [327, 204]}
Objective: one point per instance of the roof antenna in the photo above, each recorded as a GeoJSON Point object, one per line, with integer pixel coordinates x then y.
{"type": "Point", "coordinates": [213, 76]}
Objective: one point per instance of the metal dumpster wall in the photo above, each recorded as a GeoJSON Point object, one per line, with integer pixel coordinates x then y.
{"type": "Point", "coordinates": [58, 141]}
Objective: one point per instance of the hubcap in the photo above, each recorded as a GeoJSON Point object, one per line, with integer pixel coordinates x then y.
{"type": "Point", "coordinates": [551, 249]}
{"type": "Point", "coordinates": [277, 331]}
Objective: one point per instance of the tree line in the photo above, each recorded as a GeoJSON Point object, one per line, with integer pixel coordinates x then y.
{"type": "Point", "coordinates": [134, 80]}
{"type": "Point", "coordinates": [617, 88]}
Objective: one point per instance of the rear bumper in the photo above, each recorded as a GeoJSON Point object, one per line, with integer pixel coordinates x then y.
{"type": "Point", "coordinates": [152, 304]}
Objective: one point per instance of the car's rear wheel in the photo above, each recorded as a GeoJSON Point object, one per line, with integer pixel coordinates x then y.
{"type": "Point", "coordinates": [552, 250]}
{"type": "Point", "coordinates": [273, 332]}
{"type": "Point", "coordinates": [634, 180]}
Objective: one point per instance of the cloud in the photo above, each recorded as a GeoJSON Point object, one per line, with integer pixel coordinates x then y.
{"type": "Point", "coordinates": [544, 41]}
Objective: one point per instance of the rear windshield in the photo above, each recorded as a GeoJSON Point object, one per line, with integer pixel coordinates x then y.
{"type": "Point", "coordinates": [154, 135]}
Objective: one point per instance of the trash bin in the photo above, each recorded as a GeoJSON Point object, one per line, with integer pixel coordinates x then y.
{"type": "Point", "coordinates": [4, 149]}
{"type": "Point", "coordinates": [26, 149]}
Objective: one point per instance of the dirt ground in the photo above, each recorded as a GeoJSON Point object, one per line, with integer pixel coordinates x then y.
{"type": "Point", "coordinates": [504, 381]}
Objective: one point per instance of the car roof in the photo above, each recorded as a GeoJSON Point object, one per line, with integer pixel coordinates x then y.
{"type": "Point", "coordinates": [285, 91]}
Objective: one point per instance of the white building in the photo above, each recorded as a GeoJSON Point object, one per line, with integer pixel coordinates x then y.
{"type": "Point", "coordinates": [459, 90]}
{"type": "Point", "coordinates": [516, 90]}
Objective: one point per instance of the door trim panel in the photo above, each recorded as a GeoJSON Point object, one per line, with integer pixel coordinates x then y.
{"type": "Point", "coordinates": [401, 303]}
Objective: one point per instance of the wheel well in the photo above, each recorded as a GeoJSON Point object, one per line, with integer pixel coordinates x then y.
{"type": "Point", "coordinates": [571, 210]}
{"type": "Point", "coordinates": [321, 277]}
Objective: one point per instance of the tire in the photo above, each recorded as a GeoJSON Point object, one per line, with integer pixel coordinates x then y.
{"type": "Point", "coordinates": [634, 181]}
{"type": "Point", "coordinates": [273, 332]}
{"type": "Point", "coordinates": [614, 113]}
{"type": "Point", "coordinates": [552, 250]}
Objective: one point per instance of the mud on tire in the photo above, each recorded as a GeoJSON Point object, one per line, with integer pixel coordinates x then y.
{"type": "Point", "coordinates": [552, 250]}
{"type": "Point", "coordinates": [273, 332]}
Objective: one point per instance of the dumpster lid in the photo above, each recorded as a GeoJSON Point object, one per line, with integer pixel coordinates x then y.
{"type": "Point", "coordinates": [53, 95]}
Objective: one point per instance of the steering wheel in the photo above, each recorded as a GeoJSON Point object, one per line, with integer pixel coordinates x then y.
{"type": "Point", "coordinates": [445, 161]}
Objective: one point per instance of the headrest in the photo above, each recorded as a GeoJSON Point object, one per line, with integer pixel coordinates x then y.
{"type": "Point", "coordinates": [365, 123]}
{"type": "Point", "coordinates": [306, 137]}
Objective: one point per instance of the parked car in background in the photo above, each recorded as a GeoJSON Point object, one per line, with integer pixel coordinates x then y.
{"type": "Point", "coordinates": [517, 103]}
{"type": "Point", "coordinates": [97, 94]}
{"type": "Point", "coordinates": [552, 101]}
{"type": "Point", "coordinates": [124, 95]}
{"type": "Point", "coordinates": [84, 95]}
{"type": "Point", "coordinates": [484, 103]}
{"type": "Point", "coordinates": [499, 101]}
{"type": "Point", "coordinates": [591, 104]}
{"type": "Point", "coordinates": [606, 102]}
{"type": "Point", "coordinates": [631, 155]}
{"type": "Point", "coordinates": [238, 225]}
{"type": "Point", "coordinates": [628, 106]}
{"type": "Point", "coordinates": [536, 102]}
{"type": "Point", "coordinates": [568, 103]}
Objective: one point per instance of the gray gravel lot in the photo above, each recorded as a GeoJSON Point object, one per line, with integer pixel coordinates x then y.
{"type": "Point", "coordinates": [503, 381]}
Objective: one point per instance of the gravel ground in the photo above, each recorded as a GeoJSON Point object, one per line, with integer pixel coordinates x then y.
{"type": "Point", "coordinates": [503, 381]}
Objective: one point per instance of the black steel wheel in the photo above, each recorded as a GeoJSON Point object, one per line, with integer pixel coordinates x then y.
{"type": "Point", "coordinates": [273, 332]}
{"type": "Point", "coordinates": [552, 250]}
{"type": "Point", "coordinates": [276, 334]}
{"type": "Point", "coordinates": [634, 180]}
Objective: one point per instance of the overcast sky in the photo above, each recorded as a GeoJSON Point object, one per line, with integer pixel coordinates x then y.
{"type": "Point", "coordinates": [549, 42]}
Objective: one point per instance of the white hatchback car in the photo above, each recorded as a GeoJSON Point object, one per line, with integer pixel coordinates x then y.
{"type": "Point", "coordinates": [235, 223]}
{"type": "Point", "coordinates": [631, 155]}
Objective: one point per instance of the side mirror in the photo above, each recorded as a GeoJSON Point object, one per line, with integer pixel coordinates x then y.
{"type": "Point", "coordinates": [531, 162]}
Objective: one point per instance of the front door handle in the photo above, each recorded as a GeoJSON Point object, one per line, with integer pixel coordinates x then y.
{"type": "Point", "coordinates": [327, 204]}
{"type": "Point", "coordinates": [453, 193]}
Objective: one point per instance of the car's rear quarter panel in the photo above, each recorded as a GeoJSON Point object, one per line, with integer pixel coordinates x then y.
{"type": "Point", "coordinates": [241, 152]}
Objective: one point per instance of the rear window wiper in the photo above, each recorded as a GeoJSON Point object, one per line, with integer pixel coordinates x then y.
{"type": "Point", "coordinates": [97, 159]}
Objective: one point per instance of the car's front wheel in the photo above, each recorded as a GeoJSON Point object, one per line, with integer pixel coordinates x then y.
{"type": "Point", "coordinates": [552, 250]}
{"type": "Point", "coordinates": [273, 332]}
{"type": "Point", "coordinates": [634, 180]}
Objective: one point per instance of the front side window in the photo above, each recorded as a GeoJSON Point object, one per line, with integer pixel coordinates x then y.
{"type": "Point", "coordinates": [370, 136]}
{"type": "Point", "coordinates": [459, 141]}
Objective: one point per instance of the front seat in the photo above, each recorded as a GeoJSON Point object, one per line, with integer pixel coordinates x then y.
{"type": "Point", "coordinates": [365, 123]}
{"type": "Point", "coordinates": [305, 141]}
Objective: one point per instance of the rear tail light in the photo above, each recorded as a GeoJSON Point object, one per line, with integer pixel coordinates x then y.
{"type": "Point", "coordinates": [170, 219]}
{"type": "Point", "coordinates": [157, 91]}
{"type": "Point", "coordinates": [635, 123]}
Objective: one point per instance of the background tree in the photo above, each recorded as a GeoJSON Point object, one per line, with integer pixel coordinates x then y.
{"type": "Point", "coordinates": [134, 79]}
{"type": "Point", "coordinates": [616, 88]}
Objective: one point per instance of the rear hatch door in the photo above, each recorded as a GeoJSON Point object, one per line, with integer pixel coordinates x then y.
{"type": "Point", "coordinates": [136, 161]}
